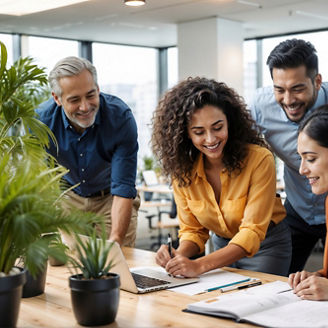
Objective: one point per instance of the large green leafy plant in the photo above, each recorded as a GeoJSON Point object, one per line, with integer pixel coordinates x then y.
{"type": "Point", "coordinates": [30, 180]}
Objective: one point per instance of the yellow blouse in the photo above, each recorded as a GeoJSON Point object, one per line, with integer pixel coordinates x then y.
{"type": "Point", "coordinates": [248, 203]}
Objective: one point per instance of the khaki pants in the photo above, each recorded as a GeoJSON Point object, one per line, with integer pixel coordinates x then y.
{"type": "Point", "coordinates": [102, 205]}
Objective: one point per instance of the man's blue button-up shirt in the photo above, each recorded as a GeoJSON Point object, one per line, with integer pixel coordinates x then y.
{"type": "Point", "coordinates": [104, 156]}
{"type": "Point", "coordinates": [281, 134]}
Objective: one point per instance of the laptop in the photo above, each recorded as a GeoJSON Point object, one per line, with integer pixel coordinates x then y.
{"type": "Point", "coordinates": [150, 179]}
{"type": "Point", "coordinates": [143, 279]}
{"type": "Point", "coordinates": [138, 280]}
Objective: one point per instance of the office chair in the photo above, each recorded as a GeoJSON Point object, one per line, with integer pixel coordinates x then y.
{"type": "Point", "coordinates": [172, 213]}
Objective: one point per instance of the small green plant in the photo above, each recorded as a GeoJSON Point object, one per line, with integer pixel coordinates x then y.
{"type": "Point", "coordinates": [148, 162]}
{"type": "Point", "coordinates": [91, 256]}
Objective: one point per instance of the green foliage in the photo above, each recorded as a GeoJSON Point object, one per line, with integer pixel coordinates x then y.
{"type": "Point", "coordinates": [92, 256]}
{"type": "Point", "coordinates": [30, 180]}
{"type": "Point", "coordinates": [148, 162]}
{"type": "Point", "coordinates": [23, 87]}
{"type": "Point", "coordinates": [29, 208]}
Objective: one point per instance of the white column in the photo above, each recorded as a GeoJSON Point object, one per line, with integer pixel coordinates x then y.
{"type": "Point", "coordinates": [212, 48]}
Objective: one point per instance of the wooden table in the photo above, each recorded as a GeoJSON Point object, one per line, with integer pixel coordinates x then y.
{"type": "Point", "coordinates": [157, 309]}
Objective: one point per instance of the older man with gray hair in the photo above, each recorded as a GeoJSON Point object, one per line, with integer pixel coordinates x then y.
{"type": "Point", "coordinates": [97, 142]}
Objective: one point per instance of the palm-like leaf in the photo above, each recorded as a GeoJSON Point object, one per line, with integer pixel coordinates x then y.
{"type": "Point", "coordinates": [28, 209]}
{"type": "Point", "coordinates": [92, 256]}
{"type": "Point", "coordinates": [30, 179]}
{"type": "Point", "coordinates": [23, 87]}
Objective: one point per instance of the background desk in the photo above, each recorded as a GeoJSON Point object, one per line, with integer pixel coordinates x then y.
{"type": "Point", "coordinates": [157, 309]}
{"type": "Point", "coordinates": [160, 212]}
{"type": "Point", "coordinates": [161, 189]}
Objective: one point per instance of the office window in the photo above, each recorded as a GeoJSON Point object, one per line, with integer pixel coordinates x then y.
{"type": "Point", "coordinates": [131, 74]}
{"type": "Point", "coordinates": [47, 51]}
{"type": "Point", "coordinates": [250, 68]}
{"type": "Point", "coordinates": [172, 64]}
{"type": "Point", "coordinates": [8, 42]}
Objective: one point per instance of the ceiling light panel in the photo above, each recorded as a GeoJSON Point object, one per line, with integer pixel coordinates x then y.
{"type": "Point", "coordinates": [135, 3]}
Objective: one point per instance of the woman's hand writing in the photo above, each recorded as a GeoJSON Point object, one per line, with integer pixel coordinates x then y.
{"type": "Point", "coordinates": [180, 265]}
{"type": "Point", "coordinates": [163, 255]}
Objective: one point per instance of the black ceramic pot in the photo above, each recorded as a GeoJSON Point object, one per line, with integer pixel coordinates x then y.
{"type": "Point", "coordinates": [35, 286]}
{"type": "Point", "coordinates": [95, 302]}
{"type": "Point", "coordinates": [10, 297]}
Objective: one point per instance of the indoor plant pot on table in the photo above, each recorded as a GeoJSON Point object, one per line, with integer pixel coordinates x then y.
{"type": "Point", "coordinates": [95, 292]}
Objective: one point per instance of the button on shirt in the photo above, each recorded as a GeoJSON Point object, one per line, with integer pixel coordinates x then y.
{"type": "Point", "coordinates": [104, 156]}
{"type": "Point", "coordinates": [281, 134]}
{"type": "Point", "coordinates": [247, 203]}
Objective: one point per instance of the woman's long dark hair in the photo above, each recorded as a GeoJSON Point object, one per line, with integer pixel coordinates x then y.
{"type": "Point", "coordinates": [316, 126]}
{"type": "Point", "coordinates": [170, 142]}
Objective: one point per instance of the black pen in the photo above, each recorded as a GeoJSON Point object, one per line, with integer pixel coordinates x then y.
{"type": "Point", "coordinates": [228, 289]}
{"type": "Point", "coordinates": [169, 244]}
{"type": "Point", "coordinates": [284, 291]}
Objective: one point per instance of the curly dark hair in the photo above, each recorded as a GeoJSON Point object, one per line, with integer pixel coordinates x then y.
{"type": "Point", "coordinates": [170, 142]}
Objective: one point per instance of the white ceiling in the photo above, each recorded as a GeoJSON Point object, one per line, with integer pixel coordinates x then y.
{"type": "Point", "coordinates": [155, 24]}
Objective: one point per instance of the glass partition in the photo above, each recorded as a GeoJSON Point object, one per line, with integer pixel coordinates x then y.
{"type": "Point", "coordinates": [172, 64]}
{"type": "Point", "coordinates": [47, 51]}
{"type": "Point", "coordinates": [131, 74]}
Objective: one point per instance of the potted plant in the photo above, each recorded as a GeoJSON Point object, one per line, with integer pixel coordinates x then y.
{"type": "Point", "coordinates": [12, 109]}
{"type": "Point", "coordinates": [95, 291]}
{"type": "Point", "coordinates": [30, 185]}
{"type": "Point", "coordinates": [35, 284]}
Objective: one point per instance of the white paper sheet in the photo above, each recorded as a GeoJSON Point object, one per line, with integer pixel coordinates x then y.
{"type": "Point", "coordinates": [211, 279]}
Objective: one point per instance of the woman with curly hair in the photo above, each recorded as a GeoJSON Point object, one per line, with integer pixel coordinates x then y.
{"type": "Point", "coordinates": [224, 181]}
{"type": "Point", "coordinates": [313, 149]}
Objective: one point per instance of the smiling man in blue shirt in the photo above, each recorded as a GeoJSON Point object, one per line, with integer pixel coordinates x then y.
{"type": "Point", "coordinates": [297, 90]}
{"type": "Point", "coordinates": [97, 142]}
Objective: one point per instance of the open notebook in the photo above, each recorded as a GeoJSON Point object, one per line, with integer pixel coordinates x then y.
{"type": "Point", "coordinates": [138, 280]}
{"type": "Point", "coordinates": [270, 305]}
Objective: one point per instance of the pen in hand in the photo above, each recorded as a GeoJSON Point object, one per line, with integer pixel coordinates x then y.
{"type": "Point", "coordinates": [169, 244]}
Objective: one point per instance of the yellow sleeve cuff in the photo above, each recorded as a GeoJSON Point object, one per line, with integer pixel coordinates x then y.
{"type": "Point", "coordinates": [195, 239]}
{"type": "Point", "coordinates": [248, 239]}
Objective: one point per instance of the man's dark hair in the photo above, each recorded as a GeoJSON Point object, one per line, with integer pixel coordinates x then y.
{"type": "Point", "coordinates": [294, 53]}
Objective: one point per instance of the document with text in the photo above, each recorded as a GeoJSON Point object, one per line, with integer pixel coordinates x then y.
{"type": "Point", "coordinates": [270, 305]}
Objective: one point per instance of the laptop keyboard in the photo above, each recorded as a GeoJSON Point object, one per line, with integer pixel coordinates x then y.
{"type": "Point", "coordinates": [146, 282]}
